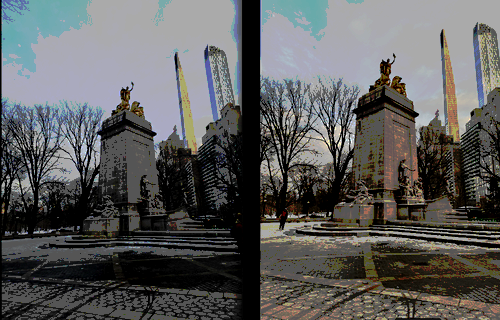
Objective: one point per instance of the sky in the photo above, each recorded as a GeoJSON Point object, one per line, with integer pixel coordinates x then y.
{"type": "Point", "coordinates": [86, 51]}
{"type": "Point", "coordinates": [348, 39]}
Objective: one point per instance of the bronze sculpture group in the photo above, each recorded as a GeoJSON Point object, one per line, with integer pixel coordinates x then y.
{"type": "Point", "coordinates": [385, 80]}
{"type": "Point", "coordinates": [415, 191]}
{"type": "Point", "coordinates": [125, 105]}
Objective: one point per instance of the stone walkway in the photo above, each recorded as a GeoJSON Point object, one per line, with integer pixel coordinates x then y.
{"type": "Point", "coordinates": [304, 277]}
{"type": "Point", "coordinates": [118, 283]}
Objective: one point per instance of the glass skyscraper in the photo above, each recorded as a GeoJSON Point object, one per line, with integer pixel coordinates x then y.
{"type": "Point", "coordinates": [486, 60]}
{"type": "Point", "coordinates": [450, 99]}
{"type": "Point", "coordinates": [219, 80]}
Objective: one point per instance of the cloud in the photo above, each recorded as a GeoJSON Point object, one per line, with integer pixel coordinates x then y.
{"type": "Point", "coordinates": [302, 21]}
{"type": "Point", "coordinates": [426, 71]}
{"type": "Point", "coordinates": [360, 27]}
{"type": "Point", "coordinates": [126, 41]}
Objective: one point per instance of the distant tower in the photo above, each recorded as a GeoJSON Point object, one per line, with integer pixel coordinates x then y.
{"type": "Point", "coordinates": [185, 107]}
{"type": "Point", "coordinates": [219, 80]}
{"type": "Point", "coordinates": [450, 99]}
{"type": "Point", "coordinates": [487, 61]}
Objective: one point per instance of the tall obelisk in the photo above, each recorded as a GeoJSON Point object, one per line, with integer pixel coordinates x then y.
{"type": "Point", "coordinates": [185, 108]}
{"type": "Point", "coordinates": [450, 99]}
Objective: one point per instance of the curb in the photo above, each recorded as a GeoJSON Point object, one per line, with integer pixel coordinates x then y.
{"type": "Point", "coordinates": [111, 243]}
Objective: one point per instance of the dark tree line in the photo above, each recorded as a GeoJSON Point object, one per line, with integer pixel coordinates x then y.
{"type": "Point", "coordinates": [490, 164]}
{"type": "Point", "coordinates": [293, 114]}
{"type": "Point", "coordinates": [36, 138]}
{"type": "Point", "coordinates": [172, 175]}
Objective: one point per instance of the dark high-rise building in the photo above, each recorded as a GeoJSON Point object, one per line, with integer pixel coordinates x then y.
{"type": "Point", "coordinates": [215, 175]}
{"type": "Point", "coordinates": [486, 61]}
{"type": "Point", "coordinates": [475, 141]}
{"type": "Point", "coordinates": [219, 80]}
{"type": "Point", "coordinates": [450, 99]}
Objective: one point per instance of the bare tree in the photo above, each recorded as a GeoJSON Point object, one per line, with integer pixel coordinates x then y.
{"type": "Point", "coordinates": [489, 163]}
{"type": "Point", "coordinates": [327, 184]}
{"type": "Point", "coordinates": [11, 165]}
{"type": "Point", "coordinates": [334, 104]}
{"type": "Point", "coordinates": [172, 175]}
{"type": "Point", "coordinates": [16, 6]}
{"type": "Point", "coordinates": [273, 181]}
{"type": "Point", "coordinates": [284, 110]}
{"type": "Point", "coordinates": [52, 197]}
{"type": "Point", "coordinates": [230, 171]}
{"type": "Point", "coordinates": [80, 126]}
{"type": "Point", "coordinates": [305, 180]}
{"type": "Point", "coordinates": [37, 138]}
{"type": "Point", "coordinates": [432, 162]}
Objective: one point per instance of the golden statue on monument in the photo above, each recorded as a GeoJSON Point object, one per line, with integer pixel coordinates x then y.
{"type": "Point", "coordinates": [398, 86]}
{"type": "Point", "coordinates": [125, 96]}
{"type": "Point", "coordinates": [137, 110]}
{"type": "Point", "coordinates": [385, 71]}
{"type": "Point", "coordinates": [385, 80]}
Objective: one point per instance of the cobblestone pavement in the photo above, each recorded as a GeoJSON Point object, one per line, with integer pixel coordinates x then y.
{"type": "Point", "coordinates": [306, 277]}
{"type": "Point", "coordinates": [39, 282]}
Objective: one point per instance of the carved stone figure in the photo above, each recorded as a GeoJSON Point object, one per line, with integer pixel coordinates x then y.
{"type": "Point", "coordinates": [385, 71]}
{"type": "Point", "coordinates": [145, 187]}
{"type": "Point", "coordinates": [137, 109]}
{"type": "Point", "coordinates": [157, 202]}
{"type": "Point", "coordinates": [362, 196]}
{"type": "Point", "coordinates": [400, 87]}
{"type": "Point", "coordinates": [437, 113]}
{"type": "Point", "coordinates": [125, 96]}
{"type": "Point", "coordinates": [418, 191]}
{"type": "Point", "coordinates": [404, 173]}
{"type": "Point", "coordinates": [107, 208]}
{"type": "Point", "coordinates": [404, 178]}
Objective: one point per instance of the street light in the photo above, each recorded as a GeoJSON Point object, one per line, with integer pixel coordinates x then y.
{"type": "Point", "coordinates": [264, 207]}
{"type": "Point", "coordinates": [15, 228]}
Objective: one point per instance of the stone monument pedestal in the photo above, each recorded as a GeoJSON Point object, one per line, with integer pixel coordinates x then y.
{"type": "Point", "coordinates": [127, 154]}
{"type": "Point", "coordinates": [438, 210]}
{"type": "Point", "coordinates": [385, 134]}
{"type": "Point", "coordinates": [362, 214]}
{"type": "Point", "coordinates": [101, 226]}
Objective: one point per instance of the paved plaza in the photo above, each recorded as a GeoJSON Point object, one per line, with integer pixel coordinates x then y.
{"type": "Point", "coordinates": [307, 277]}
{"type": "Point", "coordinates": [39, 282]}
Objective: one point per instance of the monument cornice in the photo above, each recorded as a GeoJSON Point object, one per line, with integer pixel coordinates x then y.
{"type": "Point", "coordinates": [377, 99]}
{"type": "Point", "coordinates": [125, 120]}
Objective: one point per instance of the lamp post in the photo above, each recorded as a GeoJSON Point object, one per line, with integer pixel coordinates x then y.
{"type": "Point", "coordinates": [264, 211]}
{"type": "Point", "coordinates": [307, 213]}
{"type": "Point", "coordinates": [15, 228]}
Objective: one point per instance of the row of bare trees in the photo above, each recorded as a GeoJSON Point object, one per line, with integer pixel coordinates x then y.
{"type": "Point", "coordinates": [172, 164]}
{"type": "Point", "coordinates": [293, 115]}
{"type": "Point", "coordinates": [34, 141]}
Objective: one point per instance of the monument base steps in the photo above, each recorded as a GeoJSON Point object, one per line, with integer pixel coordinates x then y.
{"type": "Point", "coordinates": [468, 235]}
{"type": "Point", "coordinates": [213, 240]}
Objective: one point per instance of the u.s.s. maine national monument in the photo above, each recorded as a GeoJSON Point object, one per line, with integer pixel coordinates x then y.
{"type": "Point", "coordinates": [130, 207]}
{"type": "Point", "coordinates": [389, 193]}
